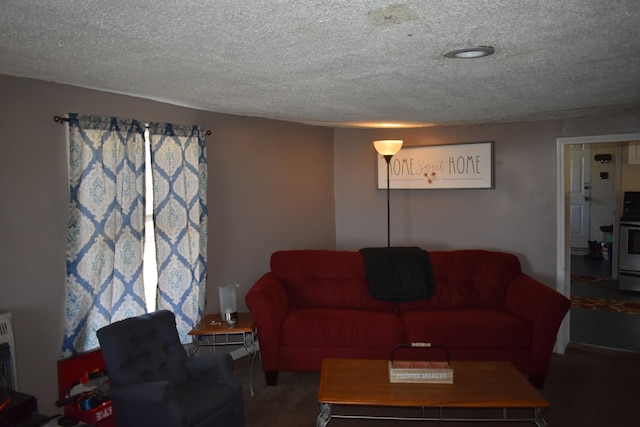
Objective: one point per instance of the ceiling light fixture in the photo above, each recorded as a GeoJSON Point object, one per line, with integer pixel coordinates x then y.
{"type": "Point", "coordinates": [471, 52]}
{"type": "Point", "coordinates": [382, 125]}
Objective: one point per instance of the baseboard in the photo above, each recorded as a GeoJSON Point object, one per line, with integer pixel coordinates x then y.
{"type": "Point", "coordinates": [593, 348]}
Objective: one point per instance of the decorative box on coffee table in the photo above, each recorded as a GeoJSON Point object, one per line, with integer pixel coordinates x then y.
{"type": "Point", "coordinates": [420, 371]}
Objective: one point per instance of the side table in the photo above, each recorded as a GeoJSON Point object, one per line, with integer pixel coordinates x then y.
{"type": "Point", "coordinates": [212, 332]}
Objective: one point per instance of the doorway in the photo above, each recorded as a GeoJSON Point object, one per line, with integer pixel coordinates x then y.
{"type": "Point", "coordinates": [594, 184]}
{"type": "Point", "coordinates": [564, 206]}
{"type": "Point", "coordinates": [579, 197]}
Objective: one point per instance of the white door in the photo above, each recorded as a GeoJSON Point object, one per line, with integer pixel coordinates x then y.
{"type": "Point", "coordinates": [580, 194]}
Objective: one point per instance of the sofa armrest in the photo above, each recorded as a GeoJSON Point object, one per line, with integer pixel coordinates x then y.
{"type": "Point", "coordinates": [544, 309]}
{"type": "Point", "coordinates": [267, 300]}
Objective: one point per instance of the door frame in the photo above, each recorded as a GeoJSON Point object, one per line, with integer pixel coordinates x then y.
{"type": "Point", "coordinates": [563, 241]}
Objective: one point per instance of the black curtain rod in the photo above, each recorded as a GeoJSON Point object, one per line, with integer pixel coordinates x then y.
{"type": "Point", "coordinates": [61, 120]}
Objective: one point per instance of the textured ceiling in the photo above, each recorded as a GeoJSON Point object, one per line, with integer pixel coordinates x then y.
{"type": "Point", "coordinates": [338, 62]}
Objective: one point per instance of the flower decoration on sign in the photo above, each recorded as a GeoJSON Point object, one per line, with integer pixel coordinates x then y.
{"type": "Point", "coordinates": [431, 177]}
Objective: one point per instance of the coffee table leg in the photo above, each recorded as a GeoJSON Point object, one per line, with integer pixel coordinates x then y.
{"type": "Point", "coordinates": [539, 420]}
{"type": "Point", "coordinates": [325, 415]}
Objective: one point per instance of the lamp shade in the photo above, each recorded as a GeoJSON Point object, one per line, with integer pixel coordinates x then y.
{"type": "Point", "coordinates": [228, 303]}
{"type": "Point", "coordinates": [387, 147]}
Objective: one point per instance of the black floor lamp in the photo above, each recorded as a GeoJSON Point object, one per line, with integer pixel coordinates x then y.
{"type": "Point", "coordinates": [387, 148]}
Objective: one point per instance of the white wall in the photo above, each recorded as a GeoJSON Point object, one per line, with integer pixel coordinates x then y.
{"type": "Point", "coordinates": [514, 217]}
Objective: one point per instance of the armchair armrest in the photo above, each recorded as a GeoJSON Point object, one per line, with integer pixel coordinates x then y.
{"type": "Point", "coordinates": [544, 309]}
{"type": "Point", "coordinates": [267, 300]}
{"type": "Point", "coordinates": [156, 400]}
{"type": "Point", "coordinates": [150, 392]}
{"type": "Point", "coordinates": [218, 364]}
{"type": "Point", "coordinates": [216, 368]}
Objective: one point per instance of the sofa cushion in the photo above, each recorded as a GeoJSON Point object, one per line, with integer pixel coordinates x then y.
{"type": "Point", "coordinates": [314, 327]}
{"type": "Point", "coordinates": [469, 279]}
{"type": "Point", "coordinates": [325, 279]}
{"type": "Point", "coordinates": [469, 328]}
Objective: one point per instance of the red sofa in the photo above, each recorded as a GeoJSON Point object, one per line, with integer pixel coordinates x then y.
{"type": "Point", "coordinates": [315, 304]}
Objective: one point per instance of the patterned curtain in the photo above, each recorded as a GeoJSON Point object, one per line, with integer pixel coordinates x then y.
{"type": "Point", "coordinates": [179, 167]}
{"type": "Point", "coordinates": [106, 227]}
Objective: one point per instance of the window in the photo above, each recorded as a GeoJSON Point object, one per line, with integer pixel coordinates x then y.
{"type": "Point", "coordinates": [149, 264]}
{"type": "Point", "coordinates": [115, 243]}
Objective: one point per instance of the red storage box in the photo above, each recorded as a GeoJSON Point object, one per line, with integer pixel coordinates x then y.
{"type": "Point", "coordinates": [70, 372]}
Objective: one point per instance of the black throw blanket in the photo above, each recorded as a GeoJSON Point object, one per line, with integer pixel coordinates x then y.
{"type": "Point", "coordinates": [398, 274]}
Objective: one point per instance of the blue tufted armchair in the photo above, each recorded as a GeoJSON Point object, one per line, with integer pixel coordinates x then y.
{"type": "Point", "coordinates": [155, 383]}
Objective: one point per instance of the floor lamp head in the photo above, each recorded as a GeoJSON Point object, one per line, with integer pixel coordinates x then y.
{"type": "Point", "coordinates": [387, 148]}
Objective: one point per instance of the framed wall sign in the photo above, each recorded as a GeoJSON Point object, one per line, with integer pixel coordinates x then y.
{"type": "Point", "coordinates": [440, 167]}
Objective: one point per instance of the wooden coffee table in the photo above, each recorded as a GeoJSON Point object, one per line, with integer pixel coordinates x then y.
{"type": "Point", "coordinates": [360, 382]}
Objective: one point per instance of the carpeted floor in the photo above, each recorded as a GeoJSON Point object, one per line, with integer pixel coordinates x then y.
{"type": "Point", "coordinates": [587, 386]}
